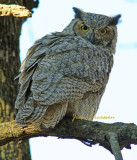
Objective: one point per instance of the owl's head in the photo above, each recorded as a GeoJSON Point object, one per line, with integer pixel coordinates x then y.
{"type": "Point", "coordinates": [98, 29]}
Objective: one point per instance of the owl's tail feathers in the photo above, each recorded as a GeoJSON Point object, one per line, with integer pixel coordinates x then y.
{"type": "Point", "coordinates": [30, 114]}
{"type": "Point", "coordinates": [54, 114]}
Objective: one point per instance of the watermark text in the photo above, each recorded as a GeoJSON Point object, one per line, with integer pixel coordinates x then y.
{"type": "Point", "coordinates": [91, 117]}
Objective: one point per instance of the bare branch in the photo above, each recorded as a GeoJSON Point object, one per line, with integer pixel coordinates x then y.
{"type": "Point", "coordinates": [15, 10]}
{"type": "Point", "coordinates": [107, 135]}
{"type": "Point", "coordinates": [113, 139]}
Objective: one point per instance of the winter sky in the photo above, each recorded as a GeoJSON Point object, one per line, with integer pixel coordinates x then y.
{"type": "Point", "coordinates": [120, 97]}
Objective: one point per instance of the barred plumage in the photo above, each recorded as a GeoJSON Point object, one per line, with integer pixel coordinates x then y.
{"type": "Point", "coordinates": [67, 72]}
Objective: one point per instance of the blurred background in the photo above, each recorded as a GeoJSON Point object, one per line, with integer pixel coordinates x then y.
{"type": "Point", "coordinates": [120, 98]}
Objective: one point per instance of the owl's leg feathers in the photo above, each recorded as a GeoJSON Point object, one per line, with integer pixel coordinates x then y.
{"type": "Point", "coordinates": [54, 114]}
{"type": "Point", "coordinates": [30, 113]}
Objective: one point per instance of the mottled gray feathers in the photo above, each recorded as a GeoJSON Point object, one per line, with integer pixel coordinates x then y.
{"type": "Point", "coordinates": [65, 73]}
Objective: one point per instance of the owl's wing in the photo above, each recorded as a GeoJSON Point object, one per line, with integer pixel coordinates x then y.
{"type": "Point", "coordinates": [61, 68]}
{"type": "Point", "coordinates": [34, 55]}
{"type": "Point", "coordinates": [71, 68]}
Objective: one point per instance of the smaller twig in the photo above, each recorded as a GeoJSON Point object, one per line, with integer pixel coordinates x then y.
{"type": "Point", "coordinates": [15, 10]}
{"type": "Point", "coordinates": [87, 142]}
{"type": "Point", "coordinates": [113, 140]}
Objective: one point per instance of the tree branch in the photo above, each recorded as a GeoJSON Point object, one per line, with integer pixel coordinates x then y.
{"type": "Point", "coordinates": [15, 10]}
{"type": "Point", "coordinates": [113, 140]}
{"type": "Point", "coordinates": [113, 137]}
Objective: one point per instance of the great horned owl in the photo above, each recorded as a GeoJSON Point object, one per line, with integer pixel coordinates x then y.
{"type": "Point", "coordinates": [66, 72]}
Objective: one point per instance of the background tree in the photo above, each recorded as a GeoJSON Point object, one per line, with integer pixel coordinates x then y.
{"type": "Point", "coordinates": [10, 28]}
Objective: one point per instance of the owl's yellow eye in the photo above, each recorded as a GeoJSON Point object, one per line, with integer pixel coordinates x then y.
{"type": "Point", "coordinates": [84, 28]}
{"type": "Point", "coordinates": [102, 31]}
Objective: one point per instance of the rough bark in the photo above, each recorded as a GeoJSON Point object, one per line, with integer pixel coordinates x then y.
{"type": "Point", "coordinates": [10, 28]}
{"type": "Point", "coordinates": [114, 137]}
{"type": "Point", "coordinates": [15, 10]}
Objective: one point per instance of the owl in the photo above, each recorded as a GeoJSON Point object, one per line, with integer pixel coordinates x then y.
{"type": "Point", "coordinates": [65, 73]}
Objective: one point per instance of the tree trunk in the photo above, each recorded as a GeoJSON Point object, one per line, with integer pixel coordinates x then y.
{"type": "Point", "coordinates": [10, 29]}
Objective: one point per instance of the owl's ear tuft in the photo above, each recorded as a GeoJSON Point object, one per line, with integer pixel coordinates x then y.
{"type": "Point", "coordinates": [114, 20]}
{"type": "Point", "coordinates": [78, 13]}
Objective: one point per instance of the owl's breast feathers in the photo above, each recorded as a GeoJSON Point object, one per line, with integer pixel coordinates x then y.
{"type": "Point", "coordinates": [60, 68]}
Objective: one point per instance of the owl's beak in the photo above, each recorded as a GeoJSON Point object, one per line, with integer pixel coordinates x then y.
{"type": "Point", "coordinates": [92, 38]}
